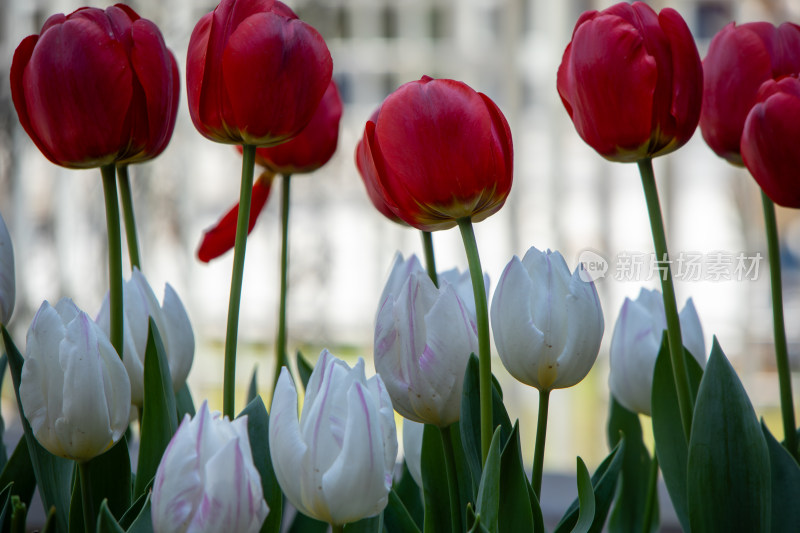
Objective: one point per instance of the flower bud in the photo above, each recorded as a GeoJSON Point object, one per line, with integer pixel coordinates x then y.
{"type": "Point", "coordinates": [547, 323]}
{"type": "Point", "coordinates": [424, 336]}
{"type": "Point", "coordinates": [336, 463]}
{"type": "Point", "coordinates": [173, 325]}
{"type": "Point", "coordinates": [74, 389]}
{"type": "Point", "coordinates": [636, 342]}
{"type": "Point", "coordinates": [206, 481]}
{"type": "Point", "coordinates": [7, 282]}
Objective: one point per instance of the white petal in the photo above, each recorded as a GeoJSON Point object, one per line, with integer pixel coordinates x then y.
{"type": "Point", "coordinates": [692, 332]}
{"type": "Point", "coordinates": [412, 448]}
{"type": "Point", "coordinates": [7, 277]}
{"type": "Point", "coordinates": [180, 338]}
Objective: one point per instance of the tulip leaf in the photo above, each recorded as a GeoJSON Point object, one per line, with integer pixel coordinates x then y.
{"type": "Point", "coordinates": [514, 512]}
{"type": "Point", "coordinates": [135, 509]}
{"type": "Point", "coordinates": [628, 512]}
{"type": "Point", "coordinates": [488, 503]}
{"type": "Point", "coordinates": [106, 523]}
{"type": "Point", "coordinates": [304, 369]}
{"type": "Point", "coordinates": [19, 470]}
{"type": "Point", "coordinates": [3, 451]}
{"type": "Point", "coordinates": [728, 467]}
{"type": "Point", "coordinates": [585, 499]}
{"type": "Point", "coordinates": [5, 504]}
{"type": "Point", "coordinates": [467, 486]}
{"type": "Point", "coordinates": [53, 474]}
{"type": "Point", "coordinates": [159, 414]}
{"type": "Point", "coordinates": [604, 484]}
{"type": "Point", "coordinates": [434, 482]}
{"type": "Point", "coordinates": [397, 519]}
{"type": "Point", "coordinates": [409, 493]}
{"type": "Point", "coordinates": [50, 522]}
{"type": "Point", "coordinates": [184, 402]}
{"type": "Point", "coordinates": [671, 445]}
{"type": "Point", "coordinates": [785, 485]}
{"type": "Point", "coordinates": [474, 522]}
{"type": "Point", "coordinates": [109, 478]}
{"type": "Point", "coordinates": [373, 524]}
{"type": "Point", "coordinates": [538, 519]}
{"type": "Point", "coordinates": [258, 433]}
{"type": "Point", "coordinates": [252, 389]}
{"type": "Point", "coordinates": [306, 524]}
{"type": "Point", "coordinates": [144, 521]}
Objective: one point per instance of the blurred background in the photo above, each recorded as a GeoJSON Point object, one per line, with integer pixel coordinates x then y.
{"type": "Point", "coordinates": [565, 197]}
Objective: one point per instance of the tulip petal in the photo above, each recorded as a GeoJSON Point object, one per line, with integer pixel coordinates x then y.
{"type": "Point", "coordinates": [180, 337]}
{"type": "Point", "coordinates": [7, 278]}
{"type": "Point", "coordinates": [692, 332]}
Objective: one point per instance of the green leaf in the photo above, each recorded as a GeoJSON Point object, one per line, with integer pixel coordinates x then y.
{"type": "Point", "coordinates": [3, 451]}
{"type": "Point", "coordinates": [144, 521]}
{"type": "Point", "coordinates": [628, 512]}
{"type": "Point", "coordinates": [53, 474]}
{"type": "Point", "coordinates": [159, 414]}
{"type": "Point", "coordinates": [50, 522]}
{"type": "Point", "coordinates": [19, 514]}
{"type": "Point", "coordinates": [515, 512]}
{"type": "Point", "coordinates": [785, 485]}
{"type": "Point", "coordinates": [585, 500]}
{"type": "Point", "coordinates": [109, 476]}
{"type": "Point", "coordinates": [538, 519]}
{"type": "Point", "coordinates": [184, 403]}
{"type": "Point", "coordinates": [396, 517]}
{"type": "Point", "coordinates": [19, 470]}
{"type": "Point", "coordinates": [6, 505]}
{"type": "Point", "coordinates": [434, 482]}
{"type": "Point", "coordinates": [604, 483]}
{"type": "Point", "coordinates": [373, 524]}
{"type": "Point", "coordinates": [728, 469]}
{"type": "Point", "coordinates": [306, 524]}
{"type": "Point", "coordinates": [106, 523]}
{"type": "Point", "coordinates": [252, 389]}
{"type": "Point", "coordinates": [467, 486]}
{"type": "Point", "coordinates": [672, 448]}
{"type": "Point", "coordinates": [258, 433]}
{"type": "Point", "coordinates": [304, 369]}
{"type": "Point", "coordinates": [135, 509]}
{"type": "Point", "coordinates": [488, 503]}
{"type": "Point", "coordinates": [410, 495]}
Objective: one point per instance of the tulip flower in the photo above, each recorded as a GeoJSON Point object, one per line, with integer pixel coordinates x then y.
{"type": "Point", "coordinates": [636, 342]}
{"type": "Point", "coordinates": [74, 389]}
{"type": "Point", "coordinates": [740, 59]}
{"type": "Point", "coordinates": [412, 448]}
{"type": "Point", "coordinates": [441, 152]}
{"type": "Point", "coordinates": [173, 325]}
{"type": "Point", "coordinates": [206, 481]}
{"type": "Point", "coordinates": [769, 141]}
{"type": "Point", "coordinates": [7, 283]}
{"type": "Point", "coordinates": [424, 336]}
{"type": "Point", "coordinates": [96, 87]}
{"type": "Point", "coordinates": [547, 323]}
{"type": "Point", "coordinates": [255, 73]}
{"type": "Point", "coordinates": [632, 81]}
{"type": "Point", "coordinates": [336, 463]}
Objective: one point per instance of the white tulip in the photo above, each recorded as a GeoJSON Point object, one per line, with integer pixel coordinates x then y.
{"type": "Point", "coordinates": [74, 389]}
{"type": "Point", "coordinates": [206, 481]}
{"type": "Point", "coordinates": [412, 448]}
{"type": "Point", "coordinates": [173, 325]}
{"type": "Point", "coordinates": [7, 283]}
{"type": "Point", "coordinates": [636, 342]}
{"type": "Point", "coordinates": [424, 336]}
{"type": "Point", "coordinates": [336, 463]}
{"type": "Point", "coordinates": [547, 323]}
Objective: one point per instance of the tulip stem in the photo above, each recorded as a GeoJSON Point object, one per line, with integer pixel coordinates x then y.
{"type": "Point", "coordinates": [452, 479]}
{"type": "Point", "coordinates": [484, 349]}
{"type": "Point", "coordinates": [652, 494]}
{"type": "Point", "coordinates": [781, 352]}
{"type": "Point", "coordinates": [114, 256]}
{"type": "Point", "coordinates": [541, 436]}
{"type": "Point", "coordinates": [677, 356]}
{"type": "Point", "coordinates": [281, 358]}
{"type": "Point", "coordinates": [430, 259]}
{"type": "Point", "coordinates": [128, 215]}
{"type": "Point", "coordinates": [337, 528]}
{"type": "Point", "coordinates": [87, 498]}
{"type": "Point", "coordinates": [229, 383]}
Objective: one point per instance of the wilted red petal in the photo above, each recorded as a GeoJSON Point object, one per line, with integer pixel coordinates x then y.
{"type": "Point", "coordinates": [221, 237]}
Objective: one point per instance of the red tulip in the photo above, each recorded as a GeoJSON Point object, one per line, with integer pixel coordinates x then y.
{"type": "Point", "coordinates": [255, 73]}
{"type": "Point", "coordinates": [369, 175]}
{"type": "Point", "coordinates": [632, 81]}
{"type": "Point", "coordinates": [739, 60]}
{"type": "Point", "coordinates": [441, 152]}
{"type": "Point", "coordinates": [770, 141]}
{"type": "Point", "coordinates": [96, 87]}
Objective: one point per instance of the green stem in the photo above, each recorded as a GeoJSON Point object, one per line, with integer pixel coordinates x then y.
{"type": "Point", "coordinates": [128, 214]}
{"type": "Point", "coordinates": [541, 436]}
{"type": "Point", "coordinates": [677, 357]}
{"type": "Point", "coordinates": [652, 494]}
{"type": "Point", "coordinates": [337, 529]}
{"type": "Point", "coordinates": [452, 479]}
{"type": "Point", "coordinates": [484, 353]}
{"type": "Point", "coordinates": [430, 259]}
{"type": "Point", "coordinates": [89, 516]}
{"type": "Point", "coordinates": [781, 352]}
{"type": "Point", "coordinates": [229, 383]}
{"type": "Point", "coordinates": [114, 257]}
{"type": "Point", "coordinates": [281, 358]}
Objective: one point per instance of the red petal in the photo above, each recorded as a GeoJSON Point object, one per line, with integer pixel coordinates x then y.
{"type": "Point", "coordinates": [221, 237]}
